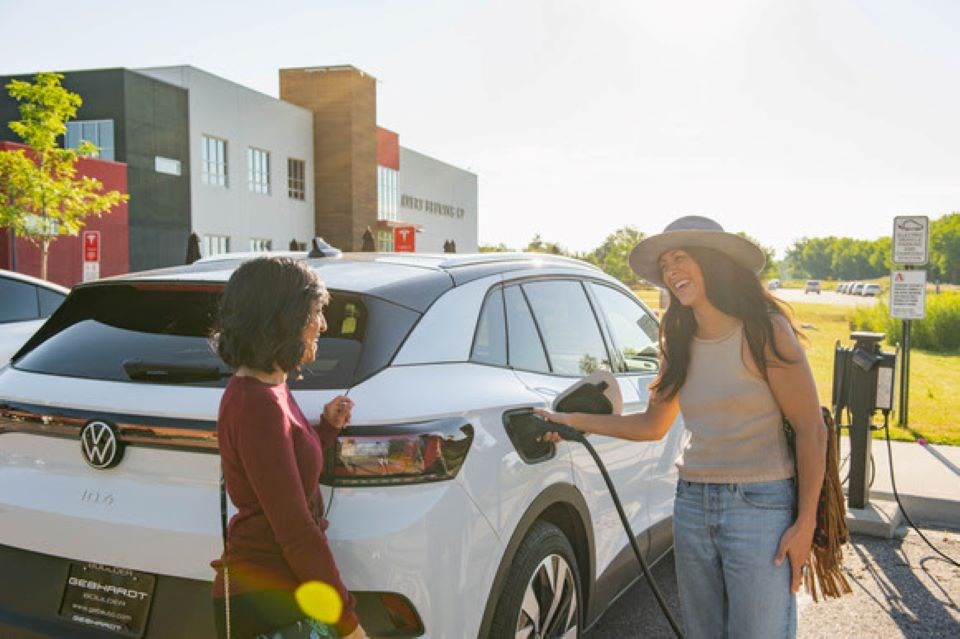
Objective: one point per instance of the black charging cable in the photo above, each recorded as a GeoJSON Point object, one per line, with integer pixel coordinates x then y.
{"type": "Point", "coordinates": [573, 435]}
{"type": "Point", "coordinates": [896, 495]}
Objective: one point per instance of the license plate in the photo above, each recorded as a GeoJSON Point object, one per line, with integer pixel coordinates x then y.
{"type": "Point", "coordinates": [114, 600]}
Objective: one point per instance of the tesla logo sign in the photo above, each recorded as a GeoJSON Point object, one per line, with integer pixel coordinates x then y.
{"type": "Point", "coordinates": [91, 246]}
{"type": "Point", "coordinates": [404, 239]}
{"type": "Point", "coordinates": [91, 255]}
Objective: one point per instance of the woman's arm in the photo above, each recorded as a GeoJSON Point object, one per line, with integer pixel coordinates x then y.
{"type": "Point", "coordinates": [649, 425]}
{"type": "Point", "coordinates": [793, 387]}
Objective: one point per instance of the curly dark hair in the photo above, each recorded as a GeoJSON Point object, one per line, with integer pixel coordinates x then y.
{"type": "Point", "coordinates": [264, 310]}
{"type": "Point", "coordinates": [734, 290]}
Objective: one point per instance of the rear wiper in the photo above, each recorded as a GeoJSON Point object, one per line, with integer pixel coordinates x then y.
{"type": "Point", "coordinates": [169, 373]}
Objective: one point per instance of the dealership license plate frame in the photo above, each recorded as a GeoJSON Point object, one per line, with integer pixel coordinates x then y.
{"type": "Point", "coordinates": [112, 582]}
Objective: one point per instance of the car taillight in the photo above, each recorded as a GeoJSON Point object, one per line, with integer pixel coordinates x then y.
{"type": "Point", "coordinates": [399, 454]}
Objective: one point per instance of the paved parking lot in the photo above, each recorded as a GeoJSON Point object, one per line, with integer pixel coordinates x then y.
{"type": "Point", "coordinates": [793, 295]}
{"type": "Point", "coordinates": [901, 589]}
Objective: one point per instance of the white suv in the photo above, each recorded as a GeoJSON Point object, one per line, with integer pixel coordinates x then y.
{"type": "Point", "coordinates": [447, 517]}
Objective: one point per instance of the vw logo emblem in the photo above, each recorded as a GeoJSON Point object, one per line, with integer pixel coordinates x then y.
{"type": "Point", "coordinates": [100, 445]}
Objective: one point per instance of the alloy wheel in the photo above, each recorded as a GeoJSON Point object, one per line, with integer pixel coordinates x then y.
{"type": "Point", "coordinates": [549, 606]}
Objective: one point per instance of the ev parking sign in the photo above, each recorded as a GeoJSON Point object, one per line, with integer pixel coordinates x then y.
{"type": "Point", "coordinates": [910, 234]}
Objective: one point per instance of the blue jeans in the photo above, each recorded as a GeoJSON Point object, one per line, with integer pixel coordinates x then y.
{"type": "Point", "coordinates": [725, 539]}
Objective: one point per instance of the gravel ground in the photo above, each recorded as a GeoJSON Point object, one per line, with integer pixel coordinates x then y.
{"type": "Point", "coordinates": [901, 588]}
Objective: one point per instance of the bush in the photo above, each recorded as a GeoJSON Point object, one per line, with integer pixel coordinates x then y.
{"type": "Point", "coordinates": [938, 332]}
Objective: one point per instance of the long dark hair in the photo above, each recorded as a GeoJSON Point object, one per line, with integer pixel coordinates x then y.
{"type": "Point", "coordinates": [733, 289]}
{"type": "Point", "coordinates": [264, 310]}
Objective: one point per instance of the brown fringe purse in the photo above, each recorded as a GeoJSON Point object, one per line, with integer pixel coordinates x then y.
{"type": "Point", "coordinates": [826, 554]}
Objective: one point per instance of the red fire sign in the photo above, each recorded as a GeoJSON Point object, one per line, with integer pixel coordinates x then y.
{"type": "Point", "coordinates": [404, 239]}
{"type": "Point", "coordinates": [91, 246]}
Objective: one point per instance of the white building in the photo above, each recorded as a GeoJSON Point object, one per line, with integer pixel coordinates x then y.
{"type": "Point", "coordinates": [251, 182]}
{"type": "Point", "coordinates": [441, 200]}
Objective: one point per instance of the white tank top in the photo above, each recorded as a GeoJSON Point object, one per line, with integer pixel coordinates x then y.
{"type": "Point", "coordinates": [734, 421]}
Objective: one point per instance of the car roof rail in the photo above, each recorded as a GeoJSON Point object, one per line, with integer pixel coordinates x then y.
{"type": "Point", "coordinates": [470, 259]}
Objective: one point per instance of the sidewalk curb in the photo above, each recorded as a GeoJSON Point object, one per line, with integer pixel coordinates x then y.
{"type": "Point", "coordinates": [925, 511]}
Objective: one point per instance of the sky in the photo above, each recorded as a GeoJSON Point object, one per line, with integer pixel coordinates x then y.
{"type": "Point", "coordinates": [783, 119]}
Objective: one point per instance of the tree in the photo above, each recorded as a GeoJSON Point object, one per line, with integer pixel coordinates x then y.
{"type": "Point", "coordinates": [613, 255]}
{"type": "Point", "coordinates": [41, 196]}
{"type": "Point", "coordinates": [771, 267]}
{"type": "Point", "coordinates": [945, 247]}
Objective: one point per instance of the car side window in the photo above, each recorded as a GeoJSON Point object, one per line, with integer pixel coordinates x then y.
{"type": "Point", "coordinates": [490, 341]}
{"type": "Point", "coordinates": [569, 327]}
{"type": "Point", "coordinates": [523, 339]}
{"type": "Point", "coordinates": [635, 332]}
{"type": "Point", "coordinates": [18, 301]}
{"type": "Point", "coordinates": [49, 301]}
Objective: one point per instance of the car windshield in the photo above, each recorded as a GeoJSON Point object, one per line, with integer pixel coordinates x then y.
{"type": "Point", "coordinates": [160, 333]}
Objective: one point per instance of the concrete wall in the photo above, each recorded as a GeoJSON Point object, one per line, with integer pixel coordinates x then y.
{"type": "Point", "coordinates": [442, 199]}
{"type": "Point", "coordinates": [245, 118]}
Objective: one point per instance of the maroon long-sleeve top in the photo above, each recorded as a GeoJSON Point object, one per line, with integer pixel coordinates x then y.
{"type": "Point", "coordinates": [272, 459]}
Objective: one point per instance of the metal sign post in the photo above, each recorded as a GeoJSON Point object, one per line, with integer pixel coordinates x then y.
{"type": "Point", "coordinates": [908, 290]}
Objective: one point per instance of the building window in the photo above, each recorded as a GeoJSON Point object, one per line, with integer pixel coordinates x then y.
{"type": "Point", "coordinates": [258, 170]}
{"type": "Point", "coordinates": [100, 132]}
{"type": "Point", "coordinates": [388, 189]}
{"type": "Point", "coordinates": [296, 183]}
{"type": "Point", "coordinates": [215, 245]}
{"type": "Point", "coordinates": [213, 168]}
{"type": "Point", "coordinates": [258, 245]}
{"type": "Point", "coordinates": [166, 165]}
{"type": "Point", "coordinates": [385, 241]}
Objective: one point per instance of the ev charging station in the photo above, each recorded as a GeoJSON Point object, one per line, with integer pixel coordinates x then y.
{"type": "Point", "coordinates": [862, 384]}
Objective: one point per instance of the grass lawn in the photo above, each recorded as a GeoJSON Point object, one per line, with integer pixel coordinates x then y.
{"type": "Point", "coordinates": [934, 378]}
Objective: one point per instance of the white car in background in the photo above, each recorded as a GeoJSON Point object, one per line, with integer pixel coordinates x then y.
{"type": "Point", "coordinates": [25, 303]}
{"type": "Point", "coordinates": [447, 518]}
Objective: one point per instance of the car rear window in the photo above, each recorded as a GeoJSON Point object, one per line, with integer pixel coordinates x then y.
{"type": "Point", "coordinates": [159, 333]}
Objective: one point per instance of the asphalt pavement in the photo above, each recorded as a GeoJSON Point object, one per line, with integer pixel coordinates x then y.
{"type": "Point", "coordinates": [901, 588]}
{"type": "Point", "coordinates": [793, 295]}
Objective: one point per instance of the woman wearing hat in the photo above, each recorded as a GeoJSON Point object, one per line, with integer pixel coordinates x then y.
{"type": "Point", "coordinates": [731, 361]}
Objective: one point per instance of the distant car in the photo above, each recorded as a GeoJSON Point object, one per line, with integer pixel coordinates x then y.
{"type": "Point", "coordinates": [857, 288]}
{"type": "Point", "coordinates": [812, 286]}
{"type": "Point", "coordinates": [871, 290]}
{"type": "Point", "coordinates": [773, 285]}
{"type": "Point", "coordinates": [842, 288]}
{"type": "Point", "coordinates": [25, 302]}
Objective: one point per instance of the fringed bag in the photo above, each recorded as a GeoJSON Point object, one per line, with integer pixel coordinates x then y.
{"type": "Point", "coordinates": [826, 554]}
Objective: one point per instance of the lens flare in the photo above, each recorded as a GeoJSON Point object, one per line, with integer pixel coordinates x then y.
{"type": "Point", "coordinates": [319, 601]}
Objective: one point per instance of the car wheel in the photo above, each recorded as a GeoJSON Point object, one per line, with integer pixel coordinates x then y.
{"type": "Point", "coordinates": [541, 595]}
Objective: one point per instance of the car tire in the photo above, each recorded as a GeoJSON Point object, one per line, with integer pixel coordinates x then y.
{"type": "Point", "coordinates": [542, 590]}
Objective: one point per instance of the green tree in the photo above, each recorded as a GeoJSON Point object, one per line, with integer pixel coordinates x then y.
{"type": "Point", "coordinates": [771, 266]}
{"type": "Point", "coordinates": [495, 248]}
{"type": "Point", "coordinates": [945, 247]}
{"type": "Point", "coordinates": [41, 197]}
{"type": "Point", "coordinates": [613, 255]}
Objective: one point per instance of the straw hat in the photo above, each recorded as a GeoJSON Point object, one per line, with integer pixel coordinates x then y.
{"type": "Point", "coordinates": [693, 230]}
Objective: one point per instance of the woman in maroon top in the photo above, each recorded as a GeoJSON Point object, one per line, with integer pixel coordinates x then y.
{"type": "Point", "coordinates": [270, 319]}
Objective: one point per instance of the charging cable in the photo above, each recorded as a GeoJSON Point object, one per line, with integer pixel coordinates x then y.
{"type": "Point", "coordinates": [573, 435]}
{"type": "Point", "coordinates": [896, 495]}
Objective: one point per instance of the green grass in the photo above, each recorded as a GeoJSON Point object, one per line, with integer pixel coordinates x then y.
{"type": "Point", "coordinates": [934, 378]}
